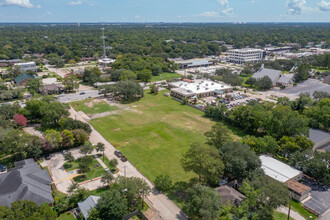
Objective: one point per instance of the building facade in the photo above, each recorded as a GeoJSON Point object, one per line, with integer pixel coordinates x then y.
{"type": "Point", "coordinates": [27, 66]}
{"type": "Point", "coordinates": [242, 56]}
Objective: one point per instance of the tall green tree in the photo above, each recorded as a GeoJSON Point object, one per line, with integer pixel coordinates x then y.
{"type": "Point", "coordinates": [218, 135]}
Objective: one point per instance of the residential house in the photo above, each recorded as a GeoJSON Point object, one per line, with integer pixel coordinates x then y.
{"type": "Point", "coordinates": [50, 89]}
{"type": "Point", "coordinates": [23, 78]}
{"type": "Point", "coordinates": [230, 194]}
{"type": "Point", "coordinates": [27, 181]}
{"type": "Point", "coordinates": [87, 205]}
{"type": "Point", "coordinates": [299, 190]}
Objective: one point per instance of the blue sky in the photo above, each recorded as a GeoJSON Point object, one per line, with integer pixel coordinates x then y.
{"type": "Point", "coordinates": [164, 11]}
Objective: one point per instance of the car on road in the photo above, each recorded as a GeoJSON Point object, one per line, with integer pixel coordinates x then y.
{"type": "Point", "coordinates": [3, 168]}
{"type": "Point", "coordinates": [118, 153]}
{"type": "Point", "coordinates": [47, 157]}
{"type": "Point", "coordinates": [82, 93]}
{"type": "Point", "coordinates": [123, 158]}
{"type": "Point", "coordinates": [64, 152]}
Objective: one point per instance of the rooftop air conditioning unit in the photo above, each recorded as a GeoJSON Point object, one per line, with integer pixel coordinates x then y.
{"type": "Point", "coordinates": [222, 86]}
{"type": "Point", "coordinates": [212, 83]}
{"type": "Point", "coordinates": [206, 88]}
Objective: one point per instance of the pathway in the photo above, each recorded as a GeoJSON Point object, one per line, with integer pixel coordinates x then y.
{"type": "Point", "coordinates": [160, 202]}
{"type": "Point", "coordinates": [293, 214]}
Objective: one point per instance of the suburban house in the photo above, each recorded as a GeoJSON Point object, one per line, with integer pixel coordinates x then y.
{"type": "Point", "coordinates": [230, 194]}
{"type": "Point", "coordinates": [276, 76]}
{"type": "Point", "coordinates": [88, 204]}
{"type": "Point", "coordinates": [51, 89]}
{"type": "Point", "coordinates": [23, 78]}
{"type": "Point", "coordinates": [320, 138]}
{"type": "Point", "coordinates": [285, 174]}
{"type": "Point", "coordinates": [48, 81]}
{"type": "Point", "coordinates": [27, 181]}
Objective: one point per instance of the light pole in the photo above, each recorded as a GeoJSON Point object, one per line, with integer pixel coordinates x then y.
{"type": "Point", "coordinates": [290, 206]}
{"type": "Point", "coordinates": [125, 171]}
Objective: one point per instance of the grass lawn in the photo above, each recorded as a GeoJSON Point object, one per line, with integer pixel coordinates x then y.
{"type": "Point", "coordinates": [90, 106]}
{"type": "Point", "coordinates": [280, 216]}
{"type": "Point", "coordinates": [296, 206]}
{"type": "Point", "coordinates": [154, 133]}
{"type": "Point", "coordinates": [66, 216]}
{"type": "Point", "coordinates": [245, 77]}
{"type": "Point", "coordinates": [165, 76]}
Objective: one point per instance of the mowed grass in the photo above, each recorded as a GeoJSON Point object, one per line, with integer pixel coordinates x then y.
{"type": "Point", "coordinates": [165, 76]}
{"type": "Point", "coordinates": [90, 106]}
{"type": "Point", "coordinates": [66, 216]}
{"type": "Point", "coordinates": [154, 133]}
{"type": "Point", "coordinates": [280, 216]}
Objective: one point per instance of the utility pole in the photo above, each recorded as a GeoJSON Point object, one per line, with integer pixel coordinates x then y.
{"type": "Point", "coordinates": [290, 206]}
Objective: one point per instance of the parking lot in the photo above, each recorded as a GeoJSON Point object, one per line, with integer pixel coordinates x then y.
{"type": "Point", "coordinates": [320, 196]}
{"type": "Point", "coordinates": [310, 86]}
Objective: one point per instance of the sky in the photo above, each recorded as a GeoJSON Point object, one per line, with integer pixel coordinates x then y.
{"type": "Point", "coordinates": [164, 10]}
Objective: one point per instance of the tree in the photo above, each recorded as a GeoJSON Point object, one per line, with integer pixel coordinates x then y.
{"type": "Point", "coordinates": [67, 139]}
{"type": "Point", "coordinates": [163, 183]}
{"type": "Point", "coordinates": [302, 72]}
{"type": "Point", "coordinates": [232, 79]}
{"type": "Point", "coordinates": [80, 137]}
{"type": "Point", "coordinates": [319, 95]}
{"type": "Point", "coordinates": [33, 108]}
{"type": "Point", "coordinates": [240, 161]}
{"type": "Point", "coordinates": [202, 203]}
{"type": "Point", "coordinates": [53, 139]}
{"type": "Point", "coordinates": [52, 113]}
{"type": "Point", "coordinates": [154, 89]}
{"type": "Point", "coordinates": [262, 145]}
{"type": "Point", "coordinates": [127, 90]}
{"type": "Point", "coordinates": [107, 178]}
{"type": "Point", "coordinates": [84, 166]}
{"type": "Point", "coordinates": [264, 83]}
{"type": "Point", "coordinates": [127, 75]}
{"type": "Point", "coordinates": [14, 142]}
{"type": "Point", "coordinates": [87, 148]}
{"type": "Point", "coordinates": [112, 205]}
{"type": "Point", "coordinates": [70, 82]}
{"type": "Point", "coordinates": [69, 158]}
{"type": "Point", "coordinates": [57, 62]}
{"type": "Point", "coordinates": [33, 85]}
{"type": "Point", "coordinates": [145, 75]}
{"type": "Point", "coordinates": [91, 75]}
{"type": "Point", "coordinates": [132, 188]}
{"type": "Point", "coordinates": [205, 161]}
{"type": "Point", "coordinates": [20, 120]}
{"type": "Point", "coordinates": [113, 163]}
{"type": "Point", "coordinates": [251, 81]}
{"type": "Point", "coordinates": [73, 187]}
{"type": "Point", "coordinates": [100, 148]}
{"type": "Point", "coordinates": [218, 136]}
{"type": "Point", "coordinates": [71, 124]}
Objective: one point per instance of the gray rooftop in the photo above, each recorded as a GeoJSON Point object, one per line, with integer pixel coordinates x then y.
{"type": "Point", "coordinates": [272, 74]}
{"type": "Point", "coordinates": [316, 135]}
{"type": "Point", "coordinates": [86, 205]}
{"type": "Point", "coordinates": [285, 79]}
{"type": "Point", "coordinates": [27, 181]}
{"type": "Point", "coordinates": [230, 194]}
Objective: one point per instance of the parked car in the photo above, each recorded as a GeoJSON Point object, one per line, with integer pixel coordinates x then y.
{"type": "Point", "coordinates": [3, 168]}
{"type": "Point", "coordinates": [82, 93]}
{"type": "Point", "coordinates": [123, 158]}
{"type": "Point", "coordinates": [118, 153]}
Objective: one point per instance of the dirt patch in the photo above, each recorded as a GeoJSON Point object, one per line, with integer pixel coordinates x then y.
{"type": "Point", "coordinates": [117, 129]}
{"type": "Point", "coordinates": [93, 102]}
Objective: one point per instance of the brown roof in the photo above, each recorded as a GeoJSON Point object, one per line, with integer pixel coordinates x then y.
{"type": "Point", "coordinates": [297, 187]}
{"type": "Point", "coordinates": [327, 79]}
{"type": "Point", "coordinates": [230, 194]}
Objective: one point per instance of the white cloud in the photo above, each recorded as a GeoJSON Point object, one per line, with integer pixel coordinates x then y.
{"type": "Point", "coordinates": [253, 2]}
{"type": "Point", "coordinates": [225, 9]}
{"type": "Point", "coordinates": [20, 3]}
{"type": "Point", "coordinates": [75, 3]}
{"type": "Point", "coordinates": [137, 16]}
{"type": "Point", "coordinates": [210, 14]}
{"type": "Point", "coordinates": [324, 5]}
{"type": "Point", "coordinates": [297, 7]}
{"type": "Point", "coordinates": [91, 4]}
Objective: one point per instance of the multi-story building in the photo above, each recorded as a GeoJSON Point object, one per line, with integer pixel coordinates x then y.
{"type": "Point", "coordinates": [242, 56]}
{"type": "Point", "coordinates": [27, 66]}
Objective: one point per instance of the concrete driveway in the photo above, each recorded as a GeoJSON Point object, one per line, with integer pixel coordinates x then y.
{"type": "Point", "coordinates": [160, 202]}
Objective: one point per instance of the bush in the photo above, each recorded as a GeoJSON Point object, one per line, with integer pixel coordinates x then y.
{"type": "Point", "coordinates": [163, 183]}
{"type": "Point", "coordinates": [113, 163]}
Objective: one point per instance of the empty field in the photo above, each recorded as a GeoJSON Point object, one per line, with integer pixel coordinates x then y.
{"type": "Point", "coordinates": [153, 134]}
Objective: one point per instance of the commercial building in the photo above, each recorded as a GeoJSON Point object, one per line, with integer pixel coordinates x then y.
{"type": "Point", "coordinates": [199, 88]}
{"type": "Point", "coordinates": [276, 76]}
{"type": "Point", "coordinates": [27, 181]}
{"type": "Point", "coordinates": [27, 66]}
{"type": "Point", "coordinates": [196, 63]}
{"type": "Point", "coordinates": [285, 174]}
{"type": "Point", "coordinates": [242, 56]}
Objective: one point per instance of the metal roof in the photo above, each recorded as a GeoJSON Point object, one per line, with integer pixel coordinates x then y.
{"type": "Point", "coordinates": [277, 169]}
{"type": "Point", "coordinates": [272, 74]}
{"type": "Point", "coordinates": [316, 135]}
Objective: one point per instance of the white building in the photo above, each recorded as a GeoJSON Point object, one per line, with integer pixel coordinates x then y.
{"type": "Point", "coordinates": [242, 56]}
{"type": "Point", "coordinates": [27, 66]}
{"type": "Point", "coordinates": [199, 88]}
{"type": "Point", "coordinates": [279, 170]}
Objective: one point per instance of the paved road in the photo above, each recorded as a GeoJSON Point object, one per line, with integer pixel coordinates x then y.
{"type": "Point", "coordinates": [76, 96]}
{"type": "Point", "coordinates": [165, 207]}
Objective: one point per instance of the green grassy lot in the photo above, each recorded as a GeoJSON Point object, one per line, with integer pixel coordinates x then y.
{"type": "Point", "coordinates": [154, 133]}
{"type": "Point", "coordinates": [93, 173]}
{"type": "Point", "coordinates": [165, 76]}
{"type": "Point", "coordinates": [97, 107]}
{"type": "Point", "coordinates": [66, 216]}
{"type": "Point", "coordinates": [296, 206]}
{"type": "Point", "coordinates": [280, 216]}
{"type": "Point", "coordinates": [245, 77]}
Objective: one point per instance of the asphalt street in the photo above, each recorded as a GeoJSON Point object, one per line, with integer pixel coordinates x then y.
{"type": "Point", "coordinates": [78, 96]}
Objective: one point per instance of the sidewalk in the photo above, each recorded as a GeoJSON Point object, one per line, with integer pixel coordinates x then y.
{"type": "Point", "coordinates": [293, 214]}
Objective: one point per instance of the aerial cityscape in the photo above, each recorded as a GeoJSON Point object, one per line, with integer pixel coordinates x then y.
{"type": "Point", "coordinates": [202, 110]}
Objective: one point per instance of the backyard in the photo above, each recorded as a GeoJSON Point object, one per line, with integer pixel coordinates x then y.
{"type": "Point", "coordinates": [92, 106]}
{"type": "Point", "coordinates": [154, 132]}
